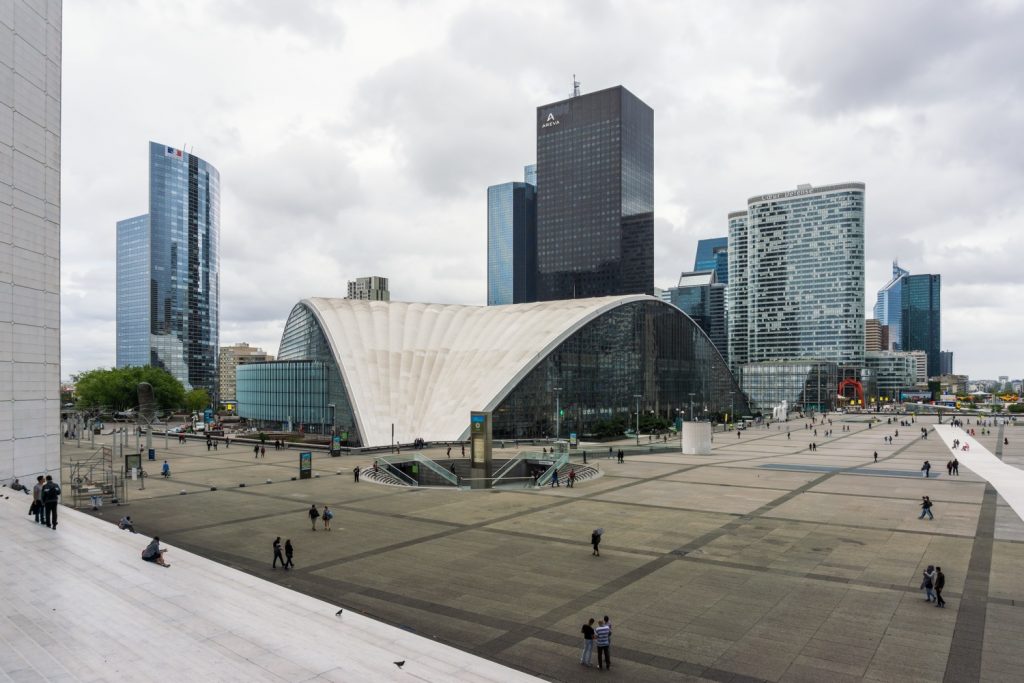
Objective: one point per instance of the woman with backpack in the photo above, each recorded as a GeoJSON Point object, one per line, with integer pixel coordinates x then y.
{"type": "Point", "coordinates": [328, 516]}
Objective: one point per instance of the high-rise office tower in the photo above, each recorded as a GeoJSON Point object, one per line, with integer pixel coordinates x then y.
{"type": "Point", "coordinates": [945, 362]}
{"type": "Point", "coordinates": [889, 306]}
{"type": "Point", "coordinates": [511, 243]}
{"type": "Point", "coordinates": [738, 293]}
{"type": "Point", "coordinates": [713, 254]}
{"type": "Point", "coordinates": [796, 276]}
{"type": "Point", "coordinates": [595, 196]}
{"type": "Point", "coordinates": [530, 174]}
{"type": "Point", "coordinates": [371, 288]}
{"type": "Point", "coordinates": [168, 272]}
{"type": "Point", "coordinates": [30, 87]}
{"type": "Point", "coordinates": [921, 318]}
{"type": "Point", "coordinates": [700, 296]}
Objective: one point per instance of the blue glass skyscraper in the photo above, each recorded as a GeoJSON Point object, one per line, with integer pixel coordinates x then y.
{"type": "Point", "coordinates": [173, 252]}
{"type": "Point", "coordinates": [921, 321]}
{"type": "Point", "coordinates": [713, 254]}
{"type": "Point", "coordinates": [511, 243]}
{"type": "Point", "coordinates": [888, 307]}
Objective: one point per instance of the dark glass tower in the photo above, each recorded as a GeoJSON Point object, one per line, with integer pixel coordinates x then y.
{"type": "Point", "coordinates": [921, 318]}
{"type": "Point", "coordinates": [713, 254]}
{"type": "Point", "coordinates": [511, 243]}
{"type": "Point", "coordinates": [595, 196]}
{"type": "Point", "coordinates": [174, 253]}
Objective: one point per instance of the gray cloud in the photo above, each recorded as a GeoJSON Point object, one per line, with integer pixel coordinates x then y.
{"type": "Point", "coordinates": [370, 154]}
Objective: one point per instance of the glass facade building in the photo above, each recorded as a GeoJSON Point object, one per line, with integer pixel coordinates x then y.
{"type": "Point", "coordinates": [713, 254]}
{"type": "Point", "coordinates": [889, 306]}
{"type": "Point", "coordinates": [133, 292]}
{"type": "Point", "coordinates": [797, 275]}
{"type": "Point", "coordinates": [279, 395]}
{"type": "Point", "coordinates": [511, 243]}
{"type": "Point", "coordinates": [804, 384]}
{"type": "Point", "coordinates": [921, 318]}
{"type": "Point", "coordinates": [595, 196]}
{"type": "Point", "coordinates": [183, 271]}
{"type": "Point", "coordinates": [890, 371]}
{"type": "Point", "coordinates": [700, 296]}
{"type": "Point", "coordinates": [416, 366]}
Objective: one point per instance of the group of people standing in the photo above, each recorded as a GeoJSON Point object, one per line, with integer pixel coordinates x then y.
{"type": "Point", "coordinates": [601, 635]}
{"type": "Point", "coordinates": [45, 496]}
{"type": "Point", "coordinates": [327, 515]}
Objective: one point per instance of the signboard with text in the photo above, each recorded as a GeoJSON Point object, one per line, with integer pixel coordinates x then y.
{"type": "Point", "coordinates": [305, 465]}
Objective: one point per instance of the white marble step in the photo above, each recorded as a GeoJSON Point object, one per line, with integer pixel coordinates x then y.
{"type": "Point", "coordinates": [79, 604]}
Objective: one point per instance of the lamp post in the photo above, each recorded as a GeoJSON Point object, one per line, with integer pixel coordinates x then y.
{"type": "Point", "coordinates": [637, 397]}
{"type": "Point", "coordinates": [558, 412]}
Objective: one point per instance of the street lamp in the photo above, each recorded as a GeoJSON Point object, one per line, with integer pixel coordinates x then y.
{"type": "Point", "coordinates": [637, 397]}
{"type": "Point", "coordinates": [558, 412]}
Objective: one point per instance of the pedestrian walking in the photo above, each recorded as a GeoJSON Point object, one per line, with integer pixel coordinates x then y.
{"type": "Point", "coordinates": [37, 499]}
{"type": "Point", "coordinates": [788, 436]}
{"type": "Point", "coordinates": [876, 456]}
{"type": "Point", "coordinates": [588, 642]}
{"type": "Point", "coordinates": [928, 583]}
{"type": "Point", "coordinates": [572, 477]}
{"type": "Point", "coordinates": [255, 451]}
{"type": "Point", "coordinates": [278, 555]}
{"type": "Point", "coordinates": [463, 450]}
{"type": "Point", "coordinates": [449, 453]}
{"type": "Point", "coordinates": [328, 515]}
{"type": "Point", "coordinates": [355, 474]}
{"type": "Point", "coordinates": [263, 451]}
{"type": "Point", "coordinates": [622, 456]}
{"type": "Point", "coordinates": [313, 514]}
{"type": "Point", "coordinates": [595, 540]}
{"type": "Point", "coordinates": [949, 468]}
{"type": "Point", "coordinates": [603, 638]}
{"type": "Point", "coordinates": [926, 508]}
{"type": "Point", "coordinates": [956, 466]}
{"type": "Point", "coordinates": [940, 583]}
{"type": "Point", "coordinates": [289, 551]}
{"type": "Point", "coordinates": [554, 479]}
{"type": "Point", "coordinates": [926, 468]}
{"type": "Point", "coordinates": [50, 495]}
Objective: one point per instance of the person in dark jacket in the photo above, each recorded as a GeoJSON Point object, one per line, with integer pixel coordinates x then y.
{"type": "Point", "coordinates": [588, 642]}
{"type": "Point", "coordinates": [277, 554]}
{"type": "Point", "coordinates": [288, 552]}
{"type": "Point", "coordinates": [926, 508]}
{"type": "Point", "coordinates": [940, 583]}
{"type": "Point", "coordinates": [154, 553]}
{"type": "Point", "coordinates": [595, 540]}
{"type": "Point", "coordinates": [50, 495]}
{"type": "Point", "coordinates": [313, 514]}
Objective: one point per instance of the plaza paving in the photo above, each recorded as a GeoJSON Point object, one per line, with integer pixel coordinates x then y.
{"type": "Point", "coordinates": [762, 561]}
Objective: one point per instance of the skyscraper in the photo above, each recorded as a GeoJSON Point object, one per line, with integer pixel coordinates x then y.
{"type": "Point", "coordinates": [595, 196]}
{"type": "Point", "coordinates": [511, 243]}
{"type": "Point", "coordinates": [945, 362]}
{"type": "Point", "coordinates": [700, 296]}
{"type": "Point", "coordinates": [796, 276]}
{"type": "Point", "coordinates": [921, 318]}
{"type": "Point", "coordinates": [713, 254]}
{"type": "Point", "coordinates": [173, 252]}
{"type": "Point", "coordinates": [230, 358]}
{"type": "Point", "coordinates": [888, 307]}
{"type": "Point", "coordinates": [872, 335]}
{"type": "Point", "coordinates": [30, 116]}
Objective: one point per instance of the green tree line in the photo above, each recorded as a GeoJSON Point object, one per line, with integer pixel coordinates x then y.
{"type": "Point", "coordinates": [116, 389]}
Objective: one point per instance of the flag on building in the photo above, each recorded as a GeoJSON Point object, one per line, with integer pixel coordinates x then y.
{"type": "Point", "coordinates": [171, 152]}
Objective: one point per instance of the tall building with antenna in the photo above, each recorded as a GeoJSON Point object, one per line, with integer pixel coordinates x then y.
{"type": "Point", "coordinates": [595, 196]}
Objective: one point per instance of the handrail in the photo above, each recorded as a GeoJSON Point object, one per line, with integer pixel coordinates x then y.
{"type": "Point", "coordinates": [560, 461]}
{"type": "Point", "coordinates": [394, 471]}
{"type": "Point", "coordinates": [511, 463]}
{"type": "Point", "coordinates": [448, 476]}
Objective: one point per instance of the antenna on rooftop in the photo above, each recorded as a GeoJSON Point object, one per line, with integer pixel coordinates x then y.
{"type": "Point", "coordinates": [575, 86]}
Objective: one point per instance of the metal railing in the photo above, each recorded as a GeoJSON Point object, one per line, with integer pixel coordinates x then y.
{"type": "Point", "coordinates": [423, 460]}
{"type": "Point", "coordinates": [560, 461]}
{"type": "Point", "coordinates": [395, 472]}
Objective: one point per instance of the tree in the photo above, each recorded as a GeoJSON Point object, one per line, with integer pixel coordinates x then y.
{"type": "Point", "coordinates": [117, 388]}
{"type": "Point", "coordinates": [197, 400]}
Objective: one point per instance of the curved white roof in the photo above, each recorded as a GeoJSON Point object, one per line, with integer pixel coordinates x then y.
{"type": "Point", "coordinates": [424, 367]}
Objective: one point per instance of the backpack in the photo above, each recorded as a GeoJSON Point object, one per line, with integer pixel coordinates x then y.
{"type": "Point", "coordinates": [328, 515]}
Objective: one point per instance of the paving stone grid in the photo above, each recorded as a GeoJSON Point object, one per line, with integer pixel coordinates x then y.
{"type": "Point", "coordinates": [762, 561]}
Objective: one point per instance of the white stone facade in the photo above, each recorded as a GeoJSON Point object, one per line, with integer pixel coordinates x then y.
{"type": "Point", "coordinates": [30, 82]}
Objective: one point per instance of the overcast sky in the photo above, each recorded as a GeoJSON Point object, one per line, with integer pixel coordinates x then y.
{"type": "Point", "coordinates": [359, 137]}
